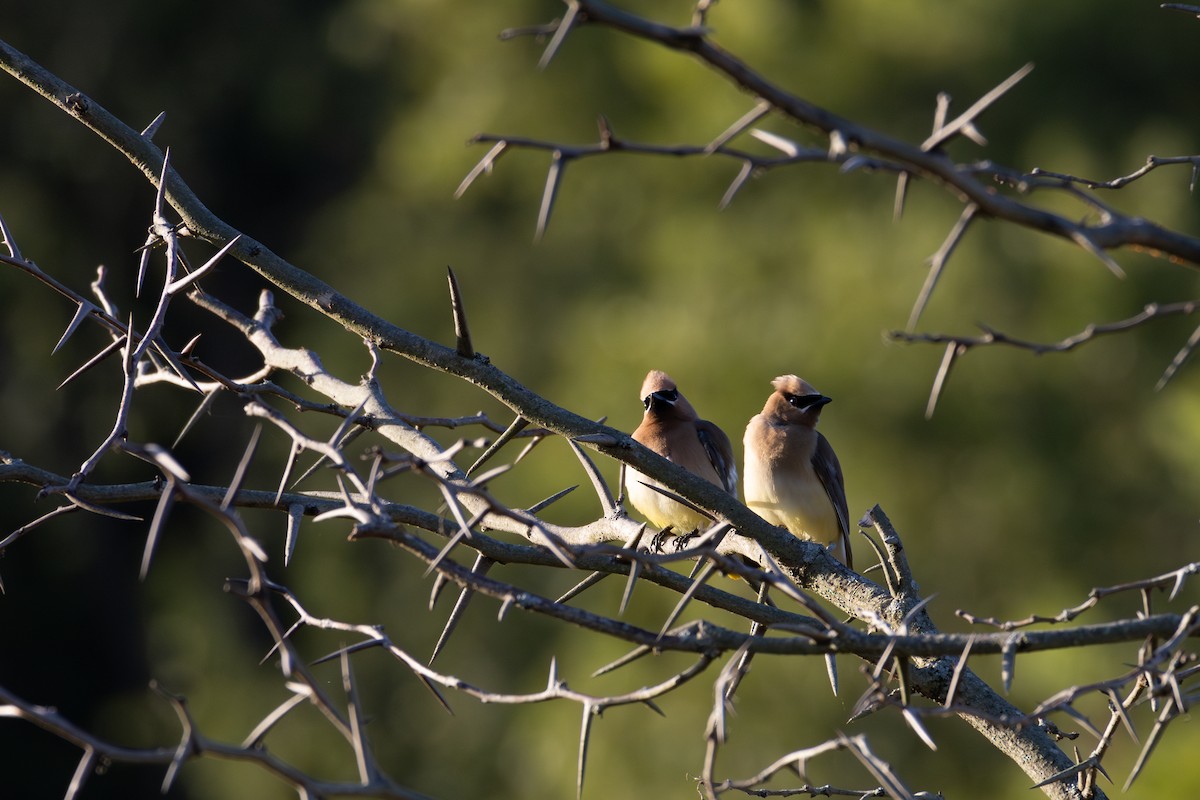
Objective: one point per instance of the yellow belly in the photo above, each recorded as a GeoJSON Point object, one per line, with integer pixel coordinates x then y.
{"type": "Point", "coordinates": [659, 509]}
{"type": "Point", "coordinates": [802, 506]}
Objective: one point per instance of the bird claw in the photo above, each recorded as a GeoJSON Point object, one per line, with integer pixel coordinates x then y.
{"type": "Point", "coordinates": [685, 541]}
{"type": "Point", "coordinates": [660, 539]}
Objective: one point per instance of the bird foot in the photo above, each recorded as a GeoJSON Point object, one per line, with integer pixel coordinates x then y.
{"type": "Point", "coordinates": [685, 541]}
{"type": "Point", "coordinates": [660, 539]}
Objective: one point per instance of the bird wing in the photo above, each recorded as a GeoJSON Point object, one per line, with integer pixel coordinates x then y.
{"type": "Point", "coordinates": [720, 454]}
{"type": "Point", "coordinates": [829, 471]}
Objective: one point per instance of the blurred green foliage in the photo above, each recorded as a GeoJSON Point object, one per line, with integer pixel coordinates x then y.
{"type": "Point", "coordinates": [334, 132]}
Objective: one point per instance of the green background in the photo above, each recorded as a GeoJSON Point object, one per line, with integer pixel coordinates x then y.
{"type": "Point", "coordinates": [335, 133]}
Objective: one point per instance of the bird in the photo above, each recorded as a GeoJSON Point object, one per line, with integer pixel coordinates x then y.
{"type": "Point", "coordinates": [792, 476]}
{"type": "Point", "coordinates": [672, 428]}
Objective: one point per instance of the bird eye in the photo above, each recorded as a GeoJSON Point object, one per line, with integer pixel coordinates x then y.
{"type": "Point", "coordinates": [670, 395]}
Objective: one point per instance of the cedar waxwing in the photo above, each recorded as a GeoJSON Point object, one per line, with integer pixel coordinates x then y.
{"type": "Point", "coordinates": [671, 428]}
{"type": "Point", "coordinates": [793, 478]}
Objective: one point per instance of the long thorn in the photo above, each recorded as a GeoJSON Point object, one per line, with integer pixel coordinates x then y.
{"type": "Point", "coordinates": [482, 565]}
{"type": "Point", "coordinates": [462, 334]}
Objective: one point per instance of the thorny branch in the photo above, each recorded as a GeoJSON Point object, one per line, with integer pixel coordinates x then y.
{"type": "Point", "coordinates": [903, 653]}
{"type": "Point", "coordinates": [958, 346]}
{"type": "Point", "coordinates": [854, 146]}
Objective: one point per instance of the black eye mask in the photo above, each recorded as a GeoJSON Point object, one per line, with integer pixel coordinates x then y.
{"type": "Point", "coordinates": [664, 395]}
{"type": "Point", "coordinates": [805, 401]}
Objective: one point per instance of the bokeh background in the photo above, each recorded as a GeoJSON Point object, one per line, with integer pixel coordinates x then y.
{"type": "Point", "coordinates": [336, 133]}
